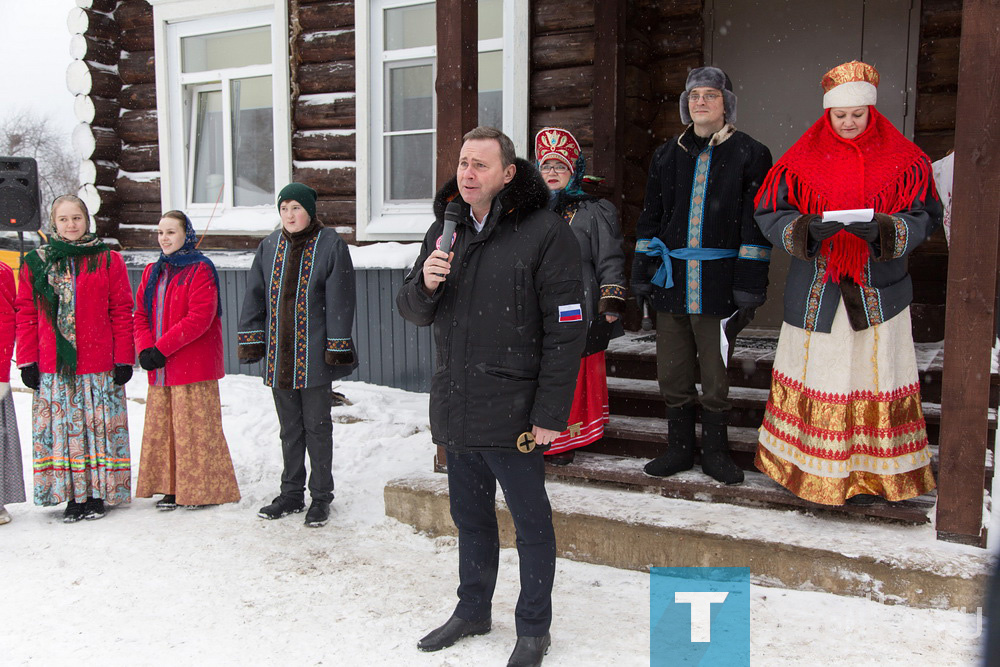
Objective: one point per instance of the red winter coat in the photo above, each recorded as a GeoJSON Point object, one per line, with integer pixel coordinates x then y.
{"type": "Point", "coordinates": [7, 294]}
{"type": "Point", "coordinates": [192, 332]}
{"type": "Point", "coordinates": [103, 320]}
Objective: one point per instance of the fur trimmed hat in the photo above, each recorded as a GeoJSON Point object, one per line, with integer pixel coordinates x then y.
{"type": "Point", "coordinates": [709, 77]}
{"type": "Point", "coordinates": [853, 84]}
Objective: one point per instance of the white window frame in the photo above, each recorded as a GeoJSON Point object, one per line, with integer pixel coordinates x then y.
{"type": "Point", "coordinates": [176, 19]}
{"type": "Point", "coordinates": [377, 221]}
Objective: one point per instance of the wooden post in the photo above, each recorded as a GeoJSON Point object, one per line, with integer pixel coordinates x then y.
{"type": "Point", "coordinates": [457, 89]}
{"type": "Point", "coordinates": [609, 98]}
{"type": "Point", "coordinates": [457, 84]}
{"type": "Point", "coordinates": [972, 285]}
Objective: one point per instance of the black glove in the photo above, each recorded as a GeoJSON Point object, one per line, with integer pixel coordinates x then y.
{"type": "Point", "coordinates": [30, 376]}
{"type": "Point", "coordinates": [150, 359]}
{"type": "Point", "coordinates": [122, 374]}
{"type": "Point", "coordinates": [642, 290]}
{"type": "Point", "coordinates": [748, 300]}
{"type": "Point", "coordinates": [820, 230]}
{"type": "Point", "coordinates": [867, 231]}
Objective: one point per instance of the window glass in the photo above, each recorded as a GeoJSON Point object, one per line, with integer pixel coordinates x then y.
{"type": "Point", "coordinates": [237, 48]}
{"type": "Point", "coordinates": [410, 99]}
{"type": "Point", "coordinates": [410, 27]}
{"type": "Point", "coordinates": [491, 89]}
{"type": "Point", "coordinates": [490, 19]}
{"type": "Point", "coordinates": [207, 150]}
{"type": "Point", "coordinates": [409, 172]}
{"type": "Point", "coordinates": [253, 141]}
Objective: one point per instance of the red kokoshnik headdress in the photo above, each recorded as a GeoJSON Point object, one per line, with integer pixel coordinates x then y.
{"type": "Point", "coordinates": [879, 169]}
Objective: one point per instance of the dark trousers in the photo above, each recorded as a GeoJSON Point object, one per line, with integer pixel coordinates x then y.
{"type": "Point", "coordinates": [683, 344]}
{"type": "Point", "coordinates": [472, 487]}
{"type": "Point", "coordinates": [306, 425]}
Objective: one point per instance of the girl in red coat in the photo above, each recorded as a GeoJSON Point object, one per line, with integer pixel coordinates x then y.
{"type": "Point", "coordinates": [179, 336]}
{"type": "Point", "coordinates": [11, 477]}
{"type": "Point", "coordinates": [74, 348]}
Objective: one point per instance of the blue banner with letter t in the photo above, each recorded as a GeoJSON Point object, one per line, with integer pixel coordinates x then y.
{"type": "Point", "coordinates": [699, 616]}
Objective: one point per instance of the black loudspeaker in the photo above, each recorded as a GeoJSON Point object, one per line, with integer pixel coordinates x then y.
{"type": "Point", "coordinates": [19, 196]}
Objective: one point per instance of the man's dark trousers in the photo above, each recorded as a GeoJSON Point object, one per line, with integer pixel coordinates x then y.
{"type": "Point", "coordinates": [472, 480]}
{"type": "Point", "coordinates": [306, 425]}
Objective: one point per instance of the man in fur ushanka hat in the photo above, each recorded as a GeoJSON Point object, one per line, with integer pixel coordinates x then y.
{"type": "Point", "coordinates": [700, 258]}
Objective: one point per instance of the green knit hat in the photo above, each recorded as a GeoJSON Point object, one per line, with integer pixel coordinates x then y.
{"type": "Point", "coordinates": [303, 194]}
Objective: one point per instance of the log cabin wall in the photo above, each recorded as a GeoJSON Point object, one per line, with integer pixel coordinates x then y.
{"type": "Point", "coordinates": [934, 132]}
{"type": "Point", "coordinates": [323, 107]}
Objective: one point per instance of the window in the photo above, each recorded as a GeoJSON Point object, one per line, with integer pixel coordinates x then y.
{"type": "Point", "coordinates": [223, 106]}
{"type": "Point", "coordinates": [397, 107]}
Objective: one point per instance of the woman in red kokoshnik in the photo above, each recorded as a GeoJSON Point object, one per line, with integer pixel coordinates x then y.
{"type": "Point", "coordinates": [595, 223]}
{"type": "Point", "coordinates": [843, 421]}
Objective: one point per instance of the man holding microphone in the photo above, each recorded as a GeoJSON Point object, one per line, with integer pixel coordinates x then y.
{"type": "Point", "coordinates": [505, 300]}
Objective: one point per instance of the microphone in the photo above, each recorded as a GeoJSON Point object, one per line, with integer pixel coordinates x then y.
{"type": "Point", "coordinates": [452, 214]}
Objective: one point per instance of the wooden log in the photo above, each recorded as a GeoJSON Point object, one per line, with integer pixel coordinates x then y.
{"type": "Point", "coordinates": [325, 112]}
{"type": "Point", "coordinates": [98, 172]}
{"type": "Point", "coordinates": [335, 212]}
{"type": "Point", "coordinates": [635, 46]}
{"type": "Point", "coordinates": [331, 45]}
{"type": "Point", "coordinates": [104, 6]}
{"type": "Point", "coordinates": [558, 15]}
{"type": "Point", "coordinates": [935, 144]}
{"type": "Point", "coordinates": [140, 213]}
{"type": "Point", "coordinates": [320, 145]}
{"type": "Point", "coordinates": [680, 38]}
{"type": "Point", "coordinates": [671, 9]}
{"type": "Point", "coordinates": [326, 15]}
{"type": "Point", "coordinates": [84, 47]}
{"type": "Point", "coordinates": [140, 157]}
{"type": "Point", "coordinates": [638, 140]}
{"type": "Point", "coordinates": [578, 120]}
{"type": "Point", "coordinates": [565, 87]}
{"type": "Point", "coordinates": [98, 198]}
{"type": "Point", "coordinates": [562, 50]}
{"type": "Point", "coordinates": [138, 127]}
{"type": "Point", "coordinates": [335, 77]}
{"type": "Point", "coordinates": [640, 111]}
{"type": "Point", "coordinates": [136, 39]}
{"type": "Point", "coordinates": [83, 21]}
{"type": "Point", "coordinates": [134, 15]}
{"type": "Point", "coordinates": [455, 87]}
{"type": "Point", "coordinates": [669, 75]}
{"type": "Point", "coordinates": [135, 190]}
{"type": "Point", "coordinates": [327, 181]}
{"type": "Point", "coordinates": [96, 110]}
{"type": "Point", "coordinates": [107, 226]}
{"type": "Point", "coordinates": [937, 65]}
{"type": "Point", "coordinates": [972, 286]}
{"type": "Point", "coordinates": [138, 96]}
{"type": "Point", "coordinates": [137, 67]}
{"type": "Point", "coordinates": [940, 18]}
{"type": "Point", "coordinates": [667, 123]}
{"type": "Point", "coordinates": [935, 112]}
{"type": "Point", "coordinates": [96, 143]}
{"type": "Point", "coordinates": [638, 83]}
{"type": "Point", "coordinates": [84, 78]}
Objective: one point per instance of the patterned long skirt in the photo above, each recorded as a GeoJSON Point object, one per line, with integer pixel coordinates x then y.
{"type": "Point", "coordinates": [184, 451]}
{"type": "Point", "coordinates": [11, 473]}
{"type": "Point", "coordinates": [589, 413]}
{"type": "Point", "coordinates": [844, 414]}
{"type": "Point", "coordinates": [80, 440]}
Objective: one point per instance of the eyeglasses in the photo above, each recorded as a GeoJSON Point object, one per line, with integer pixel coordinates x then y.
{"type": "Point", "coordinates": [708, 97]}
{"type": "Point", "coordinates": [558, 168]}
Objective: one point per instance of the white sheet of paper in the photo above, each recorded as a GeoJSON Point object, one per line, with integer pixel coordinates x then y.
{"type": "Point", "coordinates": [850, 216]}
{"type": "Point", "coordinates": [724, 341]}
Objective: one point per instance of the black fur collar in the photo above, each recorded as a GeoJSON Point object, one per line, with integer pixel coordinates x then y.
{"type": "Point", "coordinates": [525, 193]}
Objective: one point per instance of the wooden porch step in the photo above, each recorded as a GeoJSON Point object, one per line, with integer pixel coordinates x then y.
{"type": "Point", "coordinates": [646, 438]}
{"type": "Point", "coordinates": [757, 490]}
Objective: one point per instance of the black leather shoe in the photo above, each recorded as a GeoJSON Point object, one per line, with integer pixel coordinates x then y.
{"type": "Point", "coordinates": [318, 514]}
{"type": "Point", "coordinates": [453, 630]}
{"type": "Point", "coordinates": [529, 651]}
{"type": "Point", "coordinates": [281, 506]}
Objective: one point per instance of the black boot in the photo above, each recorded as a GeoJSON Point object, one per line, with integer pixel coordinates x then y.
{"type": "Point", "coordinates": [715, 459]}
{"type": "Point", "coordinates": [680, 444]}
{"type": "Point", "coordinates": [529, 651]}
{"type": "Point", "coordinates": [454, 629]}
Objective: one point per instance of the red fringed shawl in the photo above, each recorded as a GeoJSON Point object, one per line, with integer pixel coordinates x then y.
{"type": "Point", "coordinates": [879, 169]}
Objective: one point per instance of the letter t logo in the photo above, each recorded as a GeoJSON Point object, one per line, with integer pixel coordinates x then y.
{"type": "Point", "coordinates": [701, 611]}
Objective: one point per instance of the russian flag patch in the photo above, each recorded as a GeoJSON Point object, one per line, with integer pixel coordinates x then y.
{"type": "Point", "coordinates": [570, 313]}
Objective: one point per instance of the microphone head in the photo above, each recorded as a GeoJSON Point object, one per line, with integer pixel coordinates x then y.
{"type": "Point", "coordinates": [453, 211]}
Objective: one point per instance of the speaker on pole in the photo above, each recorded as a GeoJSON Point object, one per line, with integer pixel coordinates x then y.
{"type": "Point", "coordinates": [19, 197]}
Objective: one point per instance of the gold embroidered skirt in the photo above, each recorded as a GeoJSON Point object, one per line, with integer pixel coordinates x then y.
{"type": "Point", "coordinates": [844, 415]}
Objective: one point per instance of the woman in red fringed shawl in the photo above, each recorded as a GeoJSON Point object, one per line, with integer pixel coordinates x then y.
{"type": "Point", "coordinates": [843, 421]}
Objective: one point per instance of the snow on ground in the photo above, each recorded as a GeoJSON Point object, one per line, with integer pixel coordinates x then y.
{"type": "Point", "coordinates": [219, 586]}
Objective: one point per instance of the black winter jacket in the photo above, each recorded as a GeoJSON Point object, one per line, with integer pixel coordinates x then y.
{"type": "Point", "coordinates": [505, 362]}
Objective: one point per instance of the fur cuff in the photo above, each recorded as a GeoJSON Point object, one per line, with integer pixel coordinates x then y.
{"type": "Point", "coordinates": [339, 357]}
{"type": "Point", "coordinates": [251, 351]}
{"type": "Point", "coordinates": [611, 307]}
{"type": "Point", "coordinates": [796, 237]}
{"type": "Point", "coordinates": [854, 304]}
{"type": "Point", "coordinates": [892, 236]}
